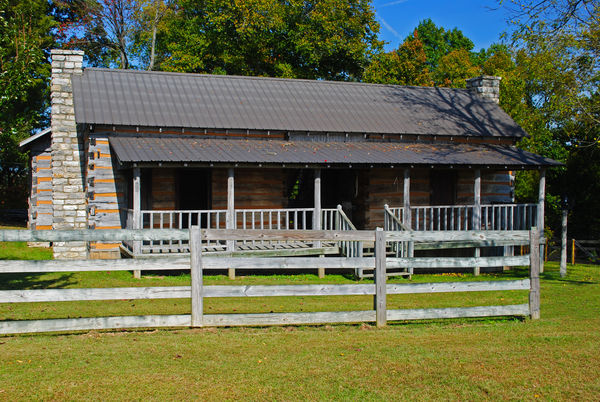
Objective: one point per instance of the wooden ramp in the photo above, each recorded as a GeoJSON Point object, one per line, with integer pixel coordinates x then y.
{"type": "Point", "coordinates": [263, 249]}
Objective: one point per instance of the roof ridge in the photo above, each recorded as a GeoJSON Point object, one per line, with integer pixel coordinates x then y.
{"type": "Point", "coordinates": [253, 77]}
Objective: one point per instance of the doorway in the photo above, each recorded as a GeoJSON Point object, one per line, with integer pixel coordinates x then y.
{"type": "Point", "coordinates": [443, 185]}
{"type": "Point", "coordinates": [193, 193]}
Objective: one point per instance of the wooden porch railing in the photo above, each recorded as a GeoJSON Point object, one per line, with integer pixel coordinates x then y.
{"type": "Point", "coordinates": [252, 219]}
{"type": "Point", "coordinates": [463, 217]}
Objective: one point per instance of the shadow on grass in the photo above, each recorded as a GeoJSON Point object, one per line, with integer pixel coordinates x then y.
{"type": "Point", "coordinates": [547, 275]}
{"type": "Point", "coordinates": [35, 281]}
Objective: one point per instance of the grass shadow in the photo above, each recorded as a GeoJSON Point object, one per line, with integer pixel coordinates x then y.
{"type": "Point", "coordinates": [35, 281]}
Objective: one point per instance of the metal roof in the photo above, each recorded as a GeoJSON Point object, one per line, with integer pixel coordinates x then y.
{"type": "Point", "coordinates": [176, 149]}
{"type": "Point", "coordinates": [161, 99]}
{"type": "Point", "coordinates": [34, 137]}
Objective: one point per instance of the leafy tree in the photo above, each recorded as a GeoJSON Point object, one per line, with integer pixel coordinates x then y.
{"type": "Point", "coordinates": [455, 68]}
{"type": "Point", "coordinates": [104, 29]}
{"type": "Point", "coordinates": [438, 42]}
{"type": "Point", "coordinates": [557, 49]}
{"type": "Point", "coordinates": [329, 39]}
{"type": "Point", "coordinates": [25, 39]}
{"type": "Point", "coordinates": [405, 66]}
{"type": "Point", "coordinates": [149, 19]}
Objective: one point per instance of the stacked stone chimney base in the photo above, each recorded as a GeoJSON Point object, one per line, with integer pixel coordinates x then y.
{"type": "Point", "coordinates": [68, 156]}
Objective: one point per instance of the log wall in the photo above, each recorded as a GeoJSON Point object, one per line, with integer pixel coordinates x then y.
{"type": "Point", "coordinates": [106, 189]}
{"type": "Point", "coordinates": [258, 188]}
{"type": "Point", "coordinates": [40, 199]}
{"type": "Point", "coordinates": [164, 189]}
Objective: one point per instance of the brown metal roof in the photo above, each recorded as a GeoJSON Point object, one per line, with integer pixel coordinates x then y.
{"type": "Point", "coordinates": [175, 149]}
{"type": "Point", "coordinates": [160, 99]}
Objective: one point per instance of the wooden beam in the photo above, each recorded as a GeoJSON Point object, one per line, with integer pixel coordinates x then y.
{"type": "Point", "coordinates": [563, 245]}
{"type": "Point", "coordinates": [317, 215]}
{"type": "Point", "coordinates": [241, 234]}
{"type": "Point", "coordinates": [380, 279]}
{"type": "Point", "coordinates": [196, 276]}
{"type": "Point", "coordinates": [407, 218]}
{"type": "Point", "coordinates": [231, 218]}
{"type": "Point", "coordinates": [184, 292]}
{"type": "Point", "coordinates": [534, 274]}
{"type": "Point", "coordinates": [94, 235]}
{"type": "Point", "coordinates": [137, 214]}
{"type": "Point", "coordinates": [477, 213]}
{"type": "Point", "coordinates": [540, 213]}
{"type": "Point", "coordinates": [317, 200]}
{"type": "Point", "coordinates": [458, 312]}
{"type": "Point", "coordinates": [86, 324]}
{"type": "Point", "coordinates": [283, 263]}
{"type": "Point", "coordinates": [232, 320]}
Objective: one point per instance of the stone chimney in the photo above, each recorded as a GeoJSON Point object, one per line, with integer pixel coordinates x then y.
{"type": "Point", "coordinates": [487, 86]}
{"type": "Point", "coordinates": [68, 183]}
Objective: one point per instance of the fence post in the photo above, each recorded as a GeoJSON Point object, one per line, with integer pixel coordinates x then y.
{"type": "Point", "coordinates": [477, 213]}
{"type": "Point", "coordinates": [230, 217]}
{"type": "Point", "coordinates": [137, 215]}
{"type": "Point", "coordinates": [380, 279]}
{"type": "Point", "coordinates": [563, 245]}
{"type": "Point", "coordinates": [196, 275]}
{"type": "Point", "coordinates": [534, 275]}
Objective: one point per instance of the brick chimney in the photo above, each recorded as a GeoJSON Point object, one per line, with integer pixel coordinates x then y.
{"type": "Point", "coordinates": [68, 183]}
{"type": "Point", "coordinates": [487, 86]}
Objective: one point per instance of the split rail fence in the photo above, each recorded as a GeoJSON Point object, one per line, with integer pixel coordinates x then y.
{"type": "Point", "coordinates": [198, 263]}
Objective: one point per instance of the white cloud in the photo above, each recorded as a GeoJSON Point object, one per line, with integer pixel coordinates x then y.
{"type": "Point", "coordinates": [392, 3]}
{"type": "Point", "coordinates": [388, 27]}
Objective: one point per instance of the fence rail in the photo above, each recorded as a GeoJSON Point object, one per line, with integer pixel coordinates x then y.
{"type": "Point", "coordinates": [198, 263]}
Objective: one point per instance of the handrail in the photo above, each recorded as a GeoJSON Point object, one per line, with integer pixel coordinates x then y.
{"type": "Point", "coordinates": [395, 218]}
{"type": "Point", "coordinates": [345, 218]}
{"type": "Point", "coordinates": [462, 217]}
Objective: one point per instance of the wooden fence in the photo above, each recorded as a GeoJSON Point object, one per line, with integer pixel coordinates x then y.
{"type": "Point", "coordinates": [198, 263]}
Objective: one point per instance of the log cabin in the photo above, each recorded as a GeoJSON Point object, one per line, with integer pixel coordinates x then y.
{"type": "Point", "coordinates": [139, 149]}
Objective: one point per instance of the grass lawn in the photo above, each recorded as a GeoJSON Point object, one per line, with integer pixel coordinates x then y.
{"type": "Point", "coordinates": [556, 357]}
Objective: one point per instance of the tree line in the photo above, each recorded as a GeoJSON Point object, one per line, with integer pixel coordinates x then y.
{"type": "Point", "coordinates": [548, 62]}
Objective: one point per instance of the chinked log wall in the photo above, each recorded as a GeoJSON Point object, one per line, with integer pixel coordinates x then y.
{"type": "Point", "coordinates": [106, 191]}
{"type": "Point", "coordinates": [385, 186]}
{"type": "Point", "coordinates": [379, 314]}
{"type": "Point", "coordinates": [40, 199]}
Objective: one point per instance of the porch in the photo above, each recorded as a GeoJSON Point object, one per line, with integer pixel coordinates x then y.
{"type": "Point", "coordinates": [471, 214]}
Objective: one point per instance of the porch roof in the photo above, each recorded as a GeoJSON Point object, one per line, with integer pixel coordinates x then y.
{"type": "Point", "coordinates": [178, 149]}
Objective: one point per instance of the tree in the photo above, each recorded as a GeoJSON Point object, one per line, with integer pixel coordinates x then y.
{"type": "Point", "coordinates": [104, 29]}
{"type": "Point", "coordinates": [454, 69]}
{"type": "Point", "coordinates": [149, 19]}
{"type": "Point", "coordinates": [405, 66]}
{"type": "Point", "coordinates": [25, 39]}
{"type": "Point", "coordinates": [329, 39]}
{"type": "Point", "coordinates": [557, 49]}
{"type": "Point", "coordinates": [439, 42]}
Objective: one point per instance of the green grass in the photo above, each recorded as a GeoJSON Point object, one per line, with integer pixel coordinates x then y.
{"type": "Point", "coordinates": [555, 357]}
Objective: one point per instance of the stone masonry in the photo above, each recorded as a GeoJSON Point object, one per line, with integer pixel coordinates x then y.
{"type": "Point", "coordinates": [68, 156]}
{"type": "Point", "coordinates": [485, 85]}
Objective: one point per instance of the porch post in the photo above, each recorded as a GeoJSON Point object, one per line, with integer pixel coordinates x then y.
{"type": "Point", "coordinates": [317, 214]}
{"type": "Point", "coordinates": [477, 212]}
{"type": "Point", "coordinates": [137, 214]}
{"type": "Point", "coordinates": [317, 209]}
{"type": "Point", "coordinates": [407, 215]}
{"type": "Point", "coordinates": [540, 215]}
{"type": "Point", "coordinates": [230, 216]}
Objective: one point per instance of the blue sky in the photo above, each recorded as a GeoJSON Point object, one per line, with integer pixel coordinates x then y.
{"type": "Point", "coordinates": [480, 20]}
